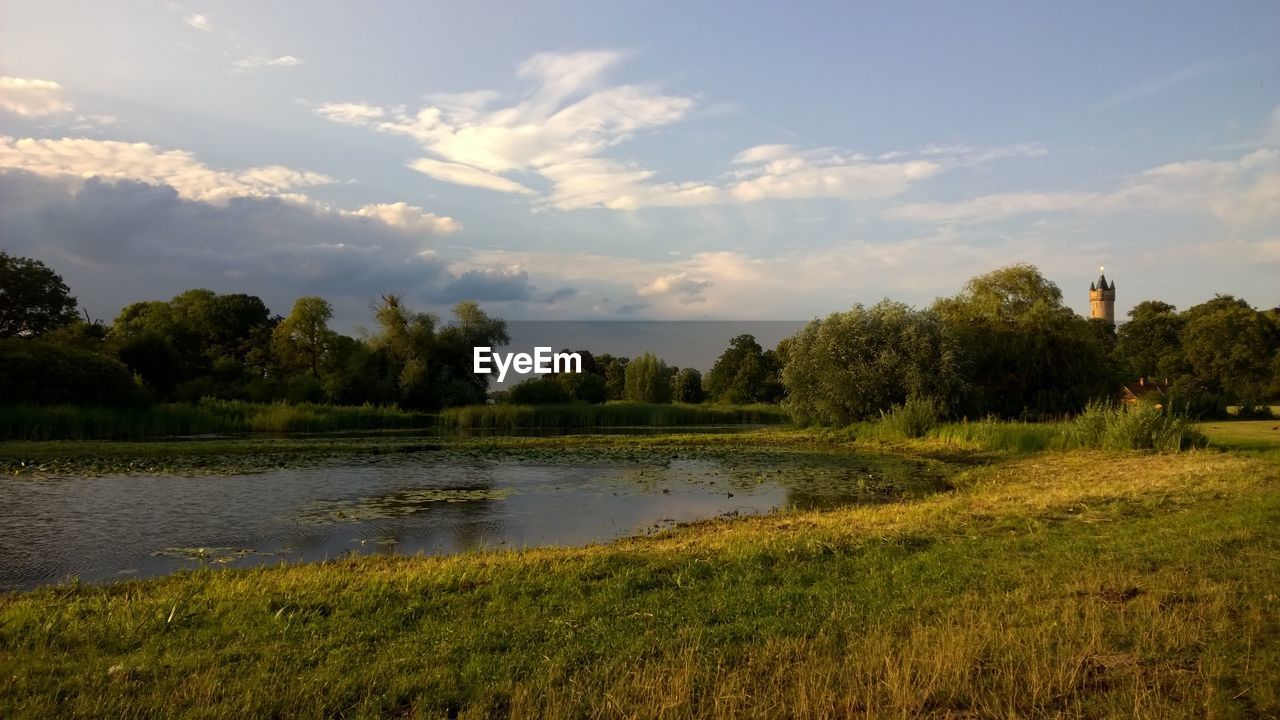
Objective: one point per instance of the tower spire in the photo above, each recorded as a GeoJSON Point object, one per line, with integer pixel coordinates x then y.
{"type": "Point", "coordinates": [1102, 298]}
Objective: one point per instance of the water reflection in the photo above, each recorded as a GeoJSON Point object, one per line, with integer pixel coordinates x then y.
{"type": "Point", "coordinates": [105, 528]}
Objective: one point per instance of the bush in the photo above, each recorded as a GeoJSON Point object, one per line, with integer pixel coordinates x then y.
{"type": "Point", "coordinates": [539, 391]}
{"type": "Point", "coordinates": [1139, 426]}
{"type": "Point", "coordinates": [34, 372]}
{"type": "Point", "coordinates": [913, 419]}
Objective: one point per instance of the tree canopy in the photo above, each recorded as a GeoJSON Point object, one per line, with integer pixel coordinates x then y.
{"type": "Point", "coordinates": [33, 298]}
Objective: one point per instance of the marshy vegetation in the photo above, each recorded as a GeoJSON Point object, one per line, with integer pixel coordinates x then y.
{"type": "Point", "coordinates": [1102, 426]}
{"type": "Point", "coordinates": [614, 414]}
{"type": "Point", "coordinates": [77, 422]}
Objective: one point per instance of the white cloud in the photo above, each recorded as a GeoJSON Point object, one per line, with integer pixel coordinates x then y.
{"type": "Point", "coordinates": [78, 159]}
{"type": "Point", "coordinates": [31, 98]}
{"type": "Point", "coordinates": [570, 116]}
{"type": "Point", "coordinates": [254, 62]}
{"type": "Point", "coordinates": [467, 175]}
{"type": "Point", "coordinates": [112, 159]}
{"type": "Point", "coordinates": [350, 113]}
{"type": "Point", "coordinates": [94, 121]}
{"type": "Point", "coordinates": [199, 22]}
{"type": "Point", "coordinates": [679, 285]}
{"type": "Point", "coordinates": [411, 217]}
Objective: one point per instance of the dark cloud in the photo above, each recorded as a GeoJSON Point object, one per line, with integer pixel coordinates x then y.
{"type": "Point", "coordinates": [489, 285]}
{"type": "Point", "coordinates": [564, 293]}
{"type": "Point", "coordinates": [121, 241]}
{"type": "Point", "coordinates": [631, 308]}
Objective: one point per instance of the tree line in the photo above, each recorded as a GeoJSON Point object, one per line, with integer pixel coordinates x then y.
{"type": "Point", "coordinates": [1006, 345]}
{"type": "Point", "coordinates": [205, 344]}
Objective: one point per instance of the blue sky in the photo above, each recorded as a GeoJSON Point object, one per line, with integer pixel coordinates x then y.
{"type": "Point", "coordinates": [656, 160]}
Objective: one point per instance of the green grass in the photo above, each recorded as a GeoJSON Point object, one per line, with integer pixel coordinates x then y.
{"type": "Point", "coordinates": [1260, 438]}
{"type": "Point", "coordinates": [29, 422]}
{"type": "Point", "coordinates": [614, 414]}
{"type": "Point", "coordinates": [1079, 584]}
{"type": "Point", "coordinates": [1101, 426]}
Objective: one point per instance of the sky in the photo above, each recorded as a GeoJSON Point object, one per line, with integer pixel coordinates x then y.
{"type": "Point", "coordinates": [655, 160]}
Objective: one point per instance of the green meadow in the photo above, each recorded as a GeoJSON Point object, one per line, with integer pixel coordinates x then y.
{"type": "Point", "coordinates": [1039, 583]}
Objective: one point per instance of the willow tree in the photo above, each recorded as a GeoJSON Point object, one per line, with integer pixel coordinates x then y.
{"type": "Point", "coordinates": [852, 365]}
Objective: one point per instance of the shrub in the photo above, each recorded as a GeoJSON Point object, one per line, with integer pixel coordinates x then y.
{"type": "Point", "coordinates": [913, 418]}
{"type": "Point", "coordinates": [539, 391]}
{"type": "Point", "coordinates": [1139, 426]}
{"type": "Point", "coordinates": [39, 373]}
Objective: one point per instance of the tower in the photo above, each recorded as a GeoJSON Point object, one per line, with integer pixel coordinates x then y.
{"type": "Point", "coordinates": [1102, 299]}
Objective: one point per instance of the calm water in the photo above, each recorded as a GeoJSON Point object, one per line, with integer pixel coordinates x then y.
{"type": "Point", "coordinates": [109, 528]}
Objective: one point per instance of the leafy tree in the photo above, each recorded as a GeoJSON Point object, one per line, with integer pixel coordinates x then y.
{"type": "Point", "coordinates": [852, 365]}
{"type": "Point", "coordinates": [192, 334]}
{"type": "Point", "coordinates": [1231, 348]}
{"type": "Point", "coordinates": [585, 386]}
{"type": "Point", "coordinates": [82, 334]}
{"type": "Point", "coordinates": [1023, 352]}
{"type": "Point", "coordinates": [432, 369]}
{"type": "Point", "coordinates": [614, 370]}
{"type": "Point", "coordinates": [407, 339]}
{"type": "Point", "coordinates": [539, 391]}
{"type": "Point", "coordinates": [744, 373]}
{"type": "Point", "coordinates": [33, 298]}
{"type": "Point", "coordinates": [303, 341]}
{"type": "Point", "coordinates": [1148, 345]}
{"type": "Point", "coordinates": [648, 379]}
{"type": "Point", "coordinates": [687, 387]}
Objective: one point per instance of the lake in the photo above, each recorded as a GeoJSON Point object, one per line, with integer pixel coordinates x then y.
{"type": "Point", "coordinates": [120, 526]}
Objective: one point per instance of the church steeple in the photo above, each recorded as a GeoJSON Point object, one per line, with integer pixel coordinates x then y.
{"type": "Point", "coordinates": [1102, 298]}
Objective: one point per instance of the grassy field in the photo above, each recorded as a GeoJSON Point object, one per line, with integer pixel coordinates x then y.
{"type": "Point", "coordinates": [1063, 584]}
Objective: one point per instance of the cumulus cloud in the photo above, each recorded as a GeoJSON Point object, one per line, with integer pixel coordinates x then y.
{"type": "Point", "coordinates": [31, 98]}
{"type": "Point", "coordinates": [496, 284]}
{"type": "Point", "coordinates": [561, 128]}
{"type": "Point", "coordinates": [74, 160]}
{"type": "Point", "coordinates": [255, 62]}
{"type": "Point", "coordinates": [112, 159]}
{"type": "Point", "coordinates": [679, 285]}
{"type": "Point", "coordinates": [111, 238]}
{"type": "Point", "coordinates": [412, 217]}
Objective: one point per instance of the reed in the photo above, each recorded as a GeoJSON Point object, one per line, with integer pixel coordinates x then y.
{"type": "Point", "coordinates": [618, 414]}
{"type": "Point", "coordinates": [69, 422]}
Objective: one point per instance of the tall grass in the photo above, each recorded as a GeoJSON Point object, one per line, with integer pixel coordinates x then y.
{"type": "Point", "coordinates": [912, 419]}
{"type": "Point", "coordinates": [66, 422]}
{"type": "Point", "coordinates": [618, 414]}
{"type": "Point", "coordinates": [1005, 436]}
{"type": "Point", "coordinates": [1104, 426]}
{"type": "Point", "coordinates": [1133, 427]}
